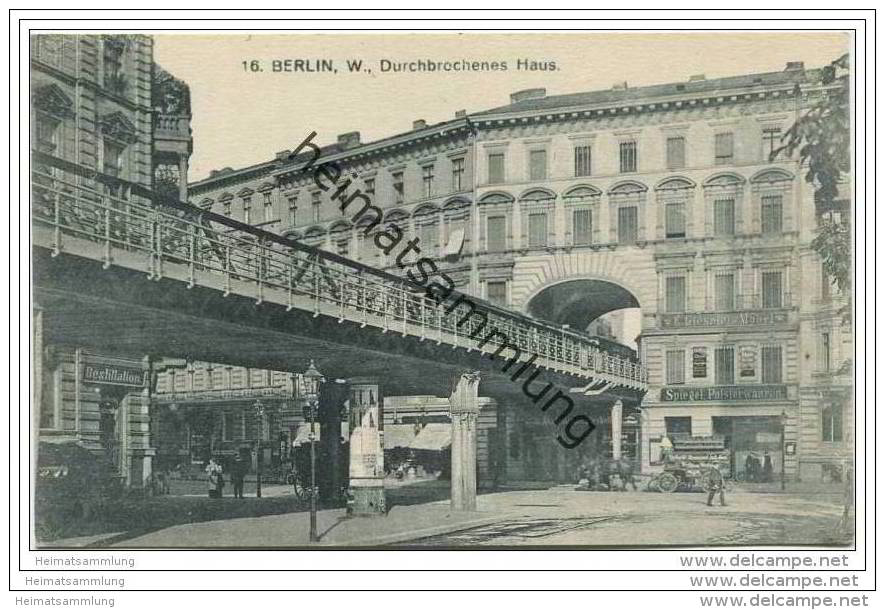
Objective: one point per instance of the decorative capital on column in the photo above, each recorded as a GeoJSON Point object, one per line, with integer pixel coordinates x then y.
{"type": "Point", "coordinates": [465, 395]}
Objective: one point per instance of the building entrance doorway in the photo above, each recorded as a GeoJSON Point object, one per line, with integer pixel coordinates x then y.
{"type": "Point", "coordinates": [754, 446]}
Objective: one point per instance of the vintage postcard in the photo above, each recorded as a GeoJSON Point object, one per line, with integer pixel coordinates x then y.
{"type": "Point", "coordinates": [442, 290]}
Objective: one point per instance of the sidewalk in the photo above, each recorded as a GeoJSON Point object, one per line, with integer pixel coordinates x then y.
{"type": "Point", "coordinates": [401, 524]}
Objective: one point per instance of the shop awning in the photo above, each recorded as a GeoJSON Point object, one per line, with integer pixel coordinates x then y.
{"type": "Point", "coordinates": [456, 241]}
{"type": "Point", "coordinates": [433, 437]}
{"type": "Point", "coordinates": [301, 434]}
{"type": "Point", "coordinates": [399, 435]}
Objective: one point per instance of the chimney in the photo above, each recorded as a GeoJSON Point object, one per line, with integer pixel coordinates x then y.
{"type": "Point", "coordinates": [349, 140]}
{"type": "Point", "coordinates": [528, 94]}
{"type": "Point", "coordinates": [696, 77]}
{"type": "Point", "coordinates": [460, 114]}
{"type": "Point", "coordinates": [621, 86]}
{"type": "Point", "coordinates": [419, 124]}
{"type": "Point", "coordinates": [284, 155]}
{"type": "Point", "coordinates": [794, 66]}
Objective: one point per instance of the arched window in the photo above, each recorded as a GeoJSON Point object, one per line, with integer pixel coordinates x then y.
{"type": "Point", "coordinates": [627, 212]}
{"type": "Point", "coordinates": [537, 216]}
{"type": "Point", "coordinates": [723, 200]}
{"type": "Point", "coordinates": [674, 203]}
{"type": "Point", "coordinates": [771, 190]}
{"type": "Point", "coordinates": [582, 212]}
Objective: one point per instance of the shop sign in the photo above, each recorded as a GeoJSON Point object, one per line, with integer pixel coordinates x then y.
{"type": "Point", "coordinates": [724, 392]}
{"type": "Point", "coordinates": [699, 362]}
{"type": "Point", "coordinates": [731, 318]}
{"type": "Point", "coordinates": [112, 374]}
{"type": "Point", "coordinates": [748, 361]}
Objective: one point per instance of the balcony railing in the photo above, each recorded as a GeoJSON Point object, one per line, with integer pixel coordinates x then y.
{"type": "Point", "coordinates": [173, 125]}
{"type": "Point", "coordinates": [177, 240]}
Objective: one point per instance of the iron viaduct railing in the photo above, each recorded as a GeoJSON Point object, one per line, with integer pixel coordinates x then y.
{"type": "Point", "coordinates": [91, 214]}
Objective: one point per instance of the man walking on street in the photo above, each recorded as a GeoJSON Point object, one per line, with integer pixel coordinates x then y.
{"type": "Point", "coordinates": [238, 475]}
{"type": "Point", "coordinates": [717, 484]}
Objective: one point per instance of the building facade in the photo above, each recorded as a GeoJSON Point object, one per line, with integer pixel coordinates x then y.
{"type": "Point", "coordinates": [668, 198]}
{"type": "Point", "coordinates": [101, 110]}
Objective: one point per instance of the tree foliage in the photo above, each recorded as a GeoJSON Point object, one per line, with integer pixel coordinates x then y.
{"type": "Point", "coordinates": [822, 137]}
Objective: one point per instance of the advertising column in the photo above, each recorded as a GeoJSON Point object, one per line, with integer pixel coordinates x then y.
{"type": "Point", "coordinates": [366, 449]}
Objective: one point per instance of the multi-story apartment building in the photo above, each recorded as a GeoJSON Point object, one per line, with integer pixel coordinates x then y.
{"type": "Point", "coordinates": [102, 113]}
{"type": "Point", "coordinates": [667, 198]}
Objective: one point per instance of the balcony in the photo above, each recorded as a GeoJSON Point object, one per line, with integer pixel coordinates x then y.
{"type": "Point", "coordinates": [172, 126]}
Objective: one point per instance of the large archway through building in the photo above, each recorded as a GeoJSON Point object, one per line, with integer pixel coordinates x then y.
{"type": "Point", "coordinates": [600, 307]}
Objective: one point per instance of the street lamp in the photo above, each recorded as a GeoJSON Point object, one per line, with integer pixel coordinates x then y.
{"type": "Point", "coordinates": [312, 379]}
{"type": "Point", "coordinates": [783, 450]}
{"type": "Point", "coordinates": [259, 413]}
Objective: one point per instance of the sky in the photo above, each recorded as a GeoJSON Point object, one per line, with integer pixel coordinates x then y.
{"type": "Point", "coordinates": [242, 117]}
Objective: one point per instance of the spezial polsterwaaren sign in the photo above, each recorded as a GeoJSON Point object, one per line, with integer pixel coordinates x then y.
{"type": "Point", "coordinates": [725, 392]}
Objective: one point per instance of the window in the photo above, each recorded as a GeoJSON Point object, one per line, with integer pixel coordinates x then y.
{"type": "Point", "coordinates": [724, 286]}
{"type": "Point", "coordinates": [226, 204]}
{"type": "Point", "coordinates": [583, 166]}
{"type": "Point", "coordinates": [724, 148]}
{"type": "Point", "coordinates": [826, 284]}
{"type": "Point", "coordinates": [342, 245]}
{"type": "Point", "coordinates": [114, 79]}
{"type": "Point", "coordinates": [398, 187]}
{"type": "Point", "coordinates": [771, 138]}
{"type": "Point", "coordinates": [47, 134]}
{"type": "Point", "coordinates": [316, 206]}
{"type": "Point", "coordinates": [772, 364]}
{"type": "Point", "coordinates": [457, 174]}
{"type": "Point", "coordinates": [293, 209]}
{"type": "Point", "coordinates": [538, 165]}
{"type": "Point", "coordinates": [723, 217]}
{"type": "Point", "coordinates": [537, 230]}
{"type": "Point", "coordinates": [772, 214]}
{"type": "Point", "coordinates": [112, 161]}
{"type": "Point", "coordinates": [772, 289]}
{"type": "Point", "coordinates": [675, 294]}
{"type": "Point", "coordinates": [268, 207]}
{"type": "Point", "coordinates": [676, 152]}
{"type": "Point", "coordinates": [497, 293]}
{"type": "Point", "coordinates": [427, 180]}
{"type": "Point", "coordinates": [675, 219]}
{"type": "Point", "coordinates": [428, 236]}
{"type": "Point", "coordinates": [247, 210]}
{"type": "Point", "coordinates": [675, 366]}
{"type": "Point", "coordinates": [825, 351]}
{"type": "Point", "coordinates": [228, 422]}
{"type": "Point", "coordinates": [495, 233]}
{"type": "Point", "coordinates": [628, 230]}
{"type": "Point", "coordinates": [628, 156]}
{"type": "Point", "coordinates": [724, 365]}
{"type": "Point", "coordinates": [52, 396]}
{"type": "Point", "coordinates": [582, 231]}
{"type": "Point", "coordinates": [678, 426]}
{"type": "Point", "coordinates": [369, 186]}
{"type": "Point", "coordinates": [831, 423]}
{"type": "Point", "coordinates": [496, 168]}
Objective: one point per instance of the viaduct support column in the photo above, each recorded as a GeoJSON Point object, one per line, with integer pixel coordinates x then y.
{"type": "Point", "coordinates": [617, 418]}
{"type": "Point", "coordinates": [366, 449]}
{"type": "Point", "coordinates": [464, 405]}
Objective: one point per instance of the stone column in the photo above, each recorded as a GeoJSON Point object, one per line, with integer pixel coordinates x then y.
{"type": "Point", "coordinates": [464, 406]}
{"type": "Point", "coordinates": [617, 418]}
{"type": "Point", "coordinates": [366, 448]}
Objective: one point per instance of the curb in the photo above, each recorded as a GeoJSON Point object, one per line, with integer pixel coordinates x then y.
{"type": "Point", "coordinates": [417, 534]}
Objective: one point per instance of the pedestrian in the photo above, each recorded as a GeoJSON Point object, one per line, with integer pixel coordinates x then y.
{"type": "Point", "coordinates": [717, 484]}
{"type": "Point", "coordinates": [216, 478]}
{"type": "Point", "coordinates": [750, 467]}
{"type": "Point", "coordinates": [238, 475]}
{"type": "Point", "coordinates": [767, 468]}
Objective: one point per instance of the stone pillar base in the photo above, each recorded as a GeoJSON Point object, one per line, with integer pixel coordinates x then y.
{"type": "Point", "coordinates": [367, 501]}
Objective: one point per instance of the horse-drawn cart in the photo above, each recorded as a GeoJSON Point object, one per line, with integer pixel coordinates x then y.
{"type": "Point", "coordinates": [689, 466]}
